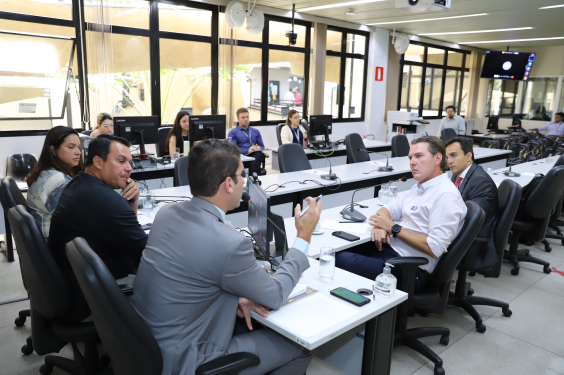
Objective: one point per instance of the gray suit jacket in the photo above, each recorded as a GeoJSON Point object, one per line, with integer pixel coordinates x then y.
{"type": "Point", "coordinates": [191, 275]}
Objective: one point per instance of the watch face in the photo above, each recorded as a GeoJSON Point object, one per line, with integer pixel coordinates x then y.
{"type": "Point", "coordinates": [396, 228]}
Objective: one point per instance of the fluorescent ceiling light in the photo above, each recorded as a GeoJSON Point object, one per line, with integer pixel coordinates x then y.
{"type": "Point", "coordinates": [429, 19]}
{"type": "Point", "coordinates": [553, 6]}
{"type": "Point", "coordinates": [478, 31]}
{"type": "Point", "coordinates": [337, 5]}
{"type": "Point", "coordinates": [512, 40]}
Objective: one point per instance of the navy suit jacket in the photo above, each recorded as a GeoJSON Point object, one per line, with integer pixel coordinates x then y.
{"type": "Point", "coordinates": [479, 187]}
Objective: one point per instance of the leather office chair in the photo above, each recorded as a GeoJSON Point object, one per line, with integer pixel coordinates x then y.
{"type": "Point", "coordinates": [304, 123]}
{"type": "Point", "coordinates": [87, 132]}
{"type": "Point", "coordinates": [128, 341]}
{"type": "Point", "coordinates": [278, 133]}
{"type": "Point", "coordinates": [509, 195]}
{"type": "Point", "coordinates": [434, 295]}
{"type": "Point", "coordinates": [533, 224]}
{"type": "Point", "coordinates": [292, 158]}
{"type": "Point", "coordinates": [181, 172]}
{"type": "Point", "coordinates": [400, 146]}
{"type": "Point", "coordinates": [161, 140]}
{"type": "Point", "coordinates": [356, 151]}
{"type": "Point", "coordinates": [447, 134]}
{"type": "Point", "coordinates": [18, 166]}
{"type": "Point", "coordinates": [555, 221]}
{"type": "Point", "coordinates": [49, 300]}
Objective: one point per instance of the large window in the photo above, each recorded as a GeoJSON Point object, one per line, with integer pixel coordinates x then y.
{"type": "Point", "coordinates": [433, 78]}
{"type": "Point", "coordinates": [502, 95]}
{"type": "Point", "coordinates": [345, 74]}
{"type": "Point", "coordinates": [539, 95]}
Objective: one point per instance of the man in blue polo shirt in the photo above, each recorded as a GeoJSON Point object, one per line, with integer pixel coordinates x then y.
{"type": "Point", "coordinates": [553, 128]}
{"type": "Point", "coordinates": [247, 138]}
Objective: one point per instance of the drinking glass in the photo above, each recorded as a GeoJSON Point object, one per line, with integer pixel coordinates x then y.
{"type": "Point", "coordinates": [149, 201]}
{"type": "Point", "coordinates": [384, 194]}
{"type": "Point", "coordinates": [393, 191]}
{"type": "Point", "coordinates": [327, 263]}
{"type": "Point", "coordinates": [176, 154]}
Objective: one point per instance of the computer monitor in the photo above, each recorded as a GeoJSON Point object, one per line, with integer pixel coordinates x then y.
{"type": "Point", "coordinates": [517, 119]}
{"type": "Point", "coordinates": [206, 127]}
{"type": "Point", "coordinates": [493, 122]}
{"type": "Point", "coordinates": [259, 226]}
{"type": "Point", "coordinates": [320, 125]}
{"type": "Point", "coordinates": [139, 130]}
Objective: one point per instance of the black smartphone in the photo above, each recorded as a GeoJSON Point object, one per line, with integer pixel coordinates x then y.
{"type": "Point", "coordinates": [350, 296]}
{"type": "Point", "coordinates": [346, 236]}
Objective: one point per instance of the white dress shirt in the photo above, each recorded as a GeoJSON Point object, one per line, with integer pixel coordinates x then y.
{"type": "Point", "coordinates": [464, 172]}
{"type": "Point", "coordinates": [457, 123]}
{"type": "Point", "coordinates": [434, 209]}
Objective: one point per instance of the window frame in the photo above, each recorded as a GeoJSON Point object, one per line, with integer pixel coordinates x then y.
{"type": "Point", "coordinates": [343, 54]}
{"type": "Point", "coordinates": [444, 66]}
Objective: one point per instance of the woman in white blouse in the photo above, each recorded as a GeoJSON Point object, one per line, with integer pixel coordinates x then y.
{"type": "Point", "coordinates": [293, 132]}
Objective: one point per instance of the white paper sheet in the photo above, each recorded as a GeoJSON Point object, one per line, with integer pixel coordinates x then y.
{"type": "Point", "coordinates": [345, 227]}
{"type": "Point", "coordinates": [299, 289]}
{"type": "Point", "coordinates": [312, 314]}
{"type": "Point", "coordinates": [144, 219]}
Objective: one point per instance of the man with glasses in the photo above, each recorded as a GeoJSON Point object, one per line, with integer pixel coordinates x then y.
{"type": "Point", "coordinates": [197, 274]}
{"type": "Point", "coordinates": [475, 185]}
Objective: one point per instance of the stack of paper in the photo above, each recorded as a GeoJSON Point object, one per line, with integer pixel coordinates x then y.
{"type": "Point", "coordinates": [299, 289]}
{"type": "Point", "coordinates": [345, 227]}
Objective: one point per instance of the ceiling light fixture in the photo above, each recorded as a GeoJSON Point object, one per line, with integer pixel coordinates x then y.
{"type": "Point", "coordinates": [337, 5]}
{"type": "Point", "coordinates": [478, 31]}
{"type": "Point", "coordinates": [429, 19]}
{"type": "Point", "coordinates": [350, 12]}
{"type": "Point", "coordinates": [512, 40]}
{"type": "Point", "coordinates": [553, 6]}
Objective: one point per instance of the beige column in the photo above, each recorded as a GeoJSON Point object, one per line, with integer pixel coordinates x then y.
{"type": "Point", "coordinates": [318, 68]}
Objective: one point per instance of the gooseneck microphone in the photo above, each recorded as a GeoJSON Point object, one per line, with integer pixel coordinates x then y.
{"type": "Point", "coordinates": [387, 168]}
{"type": "Point", "coordinates": [330, 175]}
{"type": "Point", "coordinates": [509, 173]}
{"type": "Point", "coordinates": [356, 216]}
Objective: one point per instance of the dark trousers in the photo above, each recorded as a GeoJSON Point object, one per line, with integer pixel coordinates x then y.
{"type": "Point", "coordinates": [365, 260]}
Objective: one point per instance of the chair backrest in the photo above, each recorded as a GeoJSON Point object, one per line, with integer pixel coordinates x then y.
{"type": "Point", "coordinates": [18, 166]}
{"type": "Point", "coordinates": [292, 158]}
{"type": "Point", "coordinates": [400, 146]}
{"type": "Point", "coordinates": [125, 336]}
{"type": "Point", "coordinates": [447, 134]}
{"type": "Point", "coordinates": [278, 133]}
{"type": "Point", "coordinates": [87, 132]}
{"type": "Point", "coordinates": [162, 135]}
{"type": "Point", "coordinates": [508, 196]}
{"type": "Point", "coordinates": [356, 151]}
{"type": "Point", "coordinates": [45, 284]}
{"type": "Point", "coordinates": [11, 193]}
{"type": "Point", "coordinates": [560, 161]}
{"type": "Point", "coordinates": [544, 198]}
{"type": "Point", "coordinates": [181, 171]}
{"type": "Point", "coordinates": [304, 123]}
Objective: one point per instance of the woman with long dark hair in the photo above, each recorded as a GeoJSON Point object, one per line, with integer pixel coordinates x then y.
{"type": "Point", "coordinates": [293, 132]}
{"type": "Point", "coordinates": [178, 134]}
{"type": "Point", "coordinates": [59, 162]}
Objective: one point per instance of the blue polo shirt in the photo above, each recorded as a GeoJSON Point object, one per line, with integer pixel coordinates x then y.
{"type": "Point", "coordinates": [246, 138]}
{"type": "Point", "coordinates": [554, 128]}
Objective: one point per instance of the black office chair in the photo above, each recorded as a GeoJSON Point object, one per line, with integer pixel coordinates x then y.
{"type": "Point", "coordinates": [555, 221]}
{"type": "Point", "coordinates": [533, 223]}
{"type": "Point", "coordinates": [161, 143]}
{"type": "Point", "coordinates": [181, 172]}
{"type": "Point", "coordinates": [87, 132]}
{"type": "Point", "coordinates": [292, 158]}
{"type": "Point", "coordinates": [278, 133]}
{"type": "Point", "coordinates": [434, 295]}
{"type": "Point", "coordinates": [509, 195]}
{"type": "Point", "coordinates": [356, 151]}
{"type": "Point", "coordinates": [447, 134]}
{"type": "Point", "coordinates": [127, 339]}
{"type": "Point", "coordinates": [400, 146]}
{"type": "Point", "coordinates": [18, 166]}
{"type": "Point", "coordinates": [49, 300]}
{"type": "Point", "coordinates": [304, 123]}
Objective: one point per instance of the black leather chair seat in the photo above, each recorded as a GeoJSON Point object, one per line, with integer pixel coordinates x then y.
{"type": "Point", "coordinates": [73, 332]}
{"type": "Point", "coordinates": [523, 225]}
{"type": "Point", "coordinates": [426, 297]}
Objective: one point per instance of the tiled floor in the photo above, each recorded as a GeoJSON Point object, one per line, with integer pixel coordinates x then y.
{"type": "Point", "coordinates": [530, 342]}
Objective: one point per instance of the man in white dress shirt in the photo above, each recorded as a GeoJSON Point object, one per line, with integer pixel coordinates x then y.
{"type": "Point", "coordinates": [453, 121]}
{"type": "Point", "coordinates": [431, 213]}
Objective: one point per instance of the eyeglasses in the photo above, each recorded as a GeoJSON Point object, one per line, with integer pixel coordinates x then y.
{"type": "Point", "coordinates": [244, 174]}
{"type": "Point", "coordinates": [453, 156]}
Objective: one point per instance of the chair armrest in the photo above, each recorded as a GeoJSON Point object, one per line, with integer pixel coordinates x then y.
{"type": "Point", "coordinates": [126, 289]}
{"type": "Point", "coordinates": [404, 270]}
{"type": "Point", "coordinates": [229, 364]}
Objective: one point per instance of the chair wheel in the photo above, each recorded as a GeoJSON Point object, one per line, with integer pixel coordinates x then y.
{"type": "Point", "coordinates": [19, 322]}
{"type": "Point", "coordinates": [474, 273]}
{"type": "Point", "coordinates": [46, 369]}
{"type": "Point", "coordinates": [515, 271]}
{"type": "Point", "coordinates": [507, 312]}
{"type": "Point", "coordinates": [27, 350]}
{"type": "Point", "coordinates": [439, 371]}
{"type": "Point", "coordinates": [562, 242]}
{"type": "Point", "coordinates": [481, 328]}
{"type": "Point", "coordinates": [105, 361]}
{"type": "Point", "coordinates": [547, 248]}
{"type": "Point", "coordinates": [444, 340]}
{"type": "Point", "coordinates": [424, 313]}
{"type": "Point", "coordinates": [547, 269]}
{"type": "Point", "coordinates": [470, 292]}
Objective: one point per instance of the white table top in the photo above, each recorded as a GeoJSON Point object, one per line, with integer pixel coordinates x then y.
{"type": "Point", "coordinates": [159, 166]}
{"type": "Point", "coordinates": [527, 170]}
{"type": "Point", "coordinates": [318, 318]}
{"type": "Point", "coordinates": [368, 143]}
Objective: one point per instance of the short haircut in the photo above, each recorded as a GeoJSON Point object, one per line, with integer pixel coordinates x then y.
{"type": "Point", "coordinates": [435, 145]}
{"type": "Point", "coordinates": [242, 110]}
{"type": "Point", "coordinates": [560, 114]}
{"type": "Point", "coordinates": [450, 106]}
{"type": "Point", "coordinates": [210, 162]}
{"type": "Point", "coordinates": [101, 147]}
{"type": "Point", "coordinates": [466, 144]}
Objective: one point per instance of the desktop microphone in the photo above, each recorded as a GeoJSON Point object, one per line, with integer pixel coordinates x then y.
{"type": "Point", "coordinates": [387, 168]}
{"type": "Point", "coordinates": [330, 175]}
{"type": "Point", "coordinates": [356, 216]}
{"type": "Point", "coordinates": [509, 173]}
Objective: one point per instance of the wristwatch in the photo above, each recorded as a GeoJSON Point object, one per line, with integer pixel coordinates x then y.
{"type": "Point", "coordinates": [396, 229]}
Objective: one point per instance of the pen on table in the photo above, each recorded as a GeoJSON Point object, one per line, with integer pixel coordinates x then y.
{"type": "Point", "coordinates": [305, 209]}
{"type": "Point", "coordinates": [352, 222]}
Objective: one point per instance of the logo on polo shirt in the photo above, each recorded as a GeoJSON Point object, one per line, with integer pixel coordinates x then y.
{"type": "Point", "coordinates": [413, 208]}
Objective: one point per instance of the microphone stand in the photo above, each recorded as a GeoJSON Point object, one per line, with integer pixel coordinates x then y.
{"type": "Point", "coordinates": [330, 175]}
{"type": "Point", "coordinates": [509, 173]}
{"type": "Point", "coordinates": [387, 168]}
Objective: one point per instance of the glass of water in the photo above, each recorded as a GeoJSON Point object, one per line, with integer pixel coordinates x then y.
{"type": "Point", "coordinates": [327, 263]}
{"type": "Point", "coordinates": [384, 194]}
{"type": "Point", "coordinates": [149, 203]}
{"type": "Point", "coordinates": [176, 154]}
{"type": "Point", "coordinates": [393, 191]}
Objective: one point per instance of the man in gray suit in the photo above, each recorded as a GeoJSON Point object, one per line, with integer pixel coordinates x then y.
{"type": "Point", "coordinates": [197, 274]}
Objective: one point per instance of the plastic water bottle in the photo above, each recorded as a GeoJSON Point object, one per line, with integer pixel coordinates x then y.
{"type": "Point", "coordinates": [141, 201]}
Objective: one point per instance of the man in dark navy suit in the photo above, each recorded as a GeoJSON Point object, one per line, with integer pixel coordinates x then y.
{"type": "Point", "coordinates": [476, 185]}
